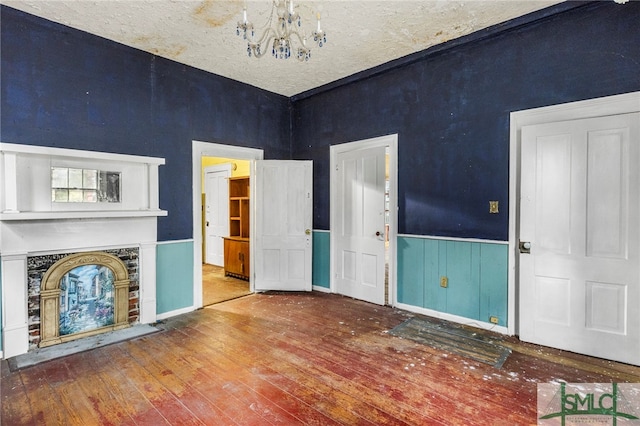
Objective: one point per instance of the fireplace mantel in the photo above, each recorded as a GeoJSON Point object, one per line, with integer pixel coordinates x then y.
{"type": "Point", "coordinates": [31, 224]}
{"type": "Point", "coordinates": [88, 214]}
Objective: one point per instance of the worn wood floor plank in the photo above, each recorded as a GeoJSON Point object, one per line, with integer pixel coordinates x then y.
{"type": "Point", "coordinates": [288, 378]}
{"type": "Point", "coordinates": [389, 385]}
{"type": "Point", "coordinates": [15, 400]}
{"type": "Point", "coordinates": [45, 401]}
{"type": "Point", "coordinates": [110, 362]}
{"type": "Point", "coordinates": [256, 394]}
{"type": "Point", "coordinates": [106, 408]}
{"type": "Point", "coordinates": [301, 358]}
{"type": "Point", "coordinates": [353, 394]}
{"type": "Point", "coordinates": [78, 408]}
{"type": "Point", "coordinates": [208, 400]}
{"type": "Point", "coordinates": [355, 390]}
{"type": "Point", "coordinates": [157, 394]}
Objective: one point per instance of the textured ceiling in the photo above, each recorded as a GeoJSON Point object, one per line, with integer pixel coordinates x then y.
{"type": "Point", "coordinates": [202, 33]}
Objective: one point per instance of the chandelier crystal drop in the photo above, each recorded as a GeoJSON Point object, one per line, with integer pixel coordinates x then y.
{"type": "Point", "coordinates": [282, 32]}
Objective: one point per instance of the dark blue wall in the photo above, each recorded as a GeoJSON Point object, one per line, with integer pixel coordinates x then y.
{"type": "Point", "coordinates": [65, 88]}
{"type": "Point", "coordinates": [450, 106]}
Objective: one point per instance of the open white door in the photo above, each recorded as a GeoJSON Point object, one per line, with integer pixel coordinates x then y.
{"type": "Point", "coordinates": [360, 224]}
{"type": "Point", "coordinates": [216, 188]}
{"type": "Point", "coordinates": [283, 221]}
{"type": "Point", "coordinates": [580, 219]}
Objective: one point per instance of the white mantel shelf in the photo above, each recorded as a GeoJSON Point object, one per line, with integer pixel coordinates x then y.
{"type": "Point", "coordinates": [85, 214]}
{"type": "Point", "coordinates": [77, 154]}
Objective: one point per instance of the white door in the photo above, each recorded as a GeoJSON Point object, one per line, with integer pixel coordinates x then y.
{"type": "Point", "coordinates": [283, 221]}
{"type": "Point", "coordinates": [216, 211]}
{"type": "Point", "coordinates": [360, 224]}
{"type": "Point", "coordinates": [580, 212]}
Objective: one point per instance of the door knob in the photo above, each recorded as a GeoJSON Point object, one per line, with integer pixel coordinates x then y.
{"type": "Point", "coordinates": [307, 231]}
{"type": "Point", "coordinates": [378, 234]}
{"type": "Point", "coordinates": [525, 247]}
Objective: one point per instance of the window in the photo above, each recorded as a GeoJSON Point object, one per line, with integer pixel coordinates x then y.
{"type": "Point", "coordinates": [70, 185]}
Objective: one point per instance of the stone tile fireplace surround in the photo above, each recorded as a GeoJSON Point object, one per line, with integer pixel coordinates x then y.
{"type": "Point", "coordinates": [33, 229]}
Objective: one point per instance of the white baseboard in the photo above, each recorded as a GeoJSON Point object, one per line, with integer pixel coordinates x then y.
{"type": "Point", "coordinates": [454, 318]}
{"type": "Point", "coordinates": [177, 312]}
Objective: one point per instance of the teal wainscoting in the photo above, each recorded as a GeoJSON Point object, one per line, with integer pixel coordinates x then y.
{"type": "Point", "coordinates": [1, 344]}
{"type": "Point", "coordinates": [174, 276]}
{"type": "Point", "coordinates": [321, 255]}
{"type": "Point", "coordinates": [476, 273]}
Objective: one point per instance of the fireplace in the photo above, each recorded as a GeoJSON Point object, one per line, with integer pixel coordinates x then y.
{"type": "Point", "coordinates": [51, 234]}
{"type": "Point", "coordinates": [76, 295]}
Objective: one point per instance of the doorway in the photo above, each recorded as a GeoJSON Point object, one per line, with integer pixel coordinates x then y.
{"type": "Point", "coordinates": [217, 284]}
{"type": "Point", "coordinates": [218, 287]}
{"type": "Point", "coordinates": [576, 226]}
{"type": "Point", "coordinates": [200, 152]}
{"type": "Point", "coordinates": [364, 218]}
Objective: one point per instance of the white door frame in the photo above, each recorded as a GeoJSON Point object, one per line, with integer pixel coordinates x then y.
{"type": "Point", "coordinates": [609, 105]}
{"type": "Point", "coordinates": [390, 141]}
{"type": "Point", "coordinates": [207, 149]}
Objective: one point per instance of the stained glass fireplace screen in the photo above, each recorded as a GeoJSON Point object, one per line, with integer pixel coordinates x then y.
{"type": "Point", "coordinates": [86, 299]}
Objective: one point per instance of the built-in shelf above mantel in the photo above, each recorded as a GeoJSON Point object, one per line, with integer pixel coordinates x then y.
{"type": "Point", "coordinates": [37, 183]}
{"type": "Point", "coordinates": [86, 214]}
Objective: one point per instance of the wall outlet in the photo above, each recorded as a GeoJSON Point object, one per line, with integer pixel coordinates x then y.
{"type": "Point", "coordinates": [494, 320]}
{"type": "Point", "coordinates": [444, 282]}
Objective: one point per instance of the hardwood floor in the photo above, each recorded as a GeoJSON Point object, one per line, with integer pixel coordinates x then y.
{"type": "Point", "coordinates": [217, 288]}
{"type": "Point", "coordinates": [301, 358]}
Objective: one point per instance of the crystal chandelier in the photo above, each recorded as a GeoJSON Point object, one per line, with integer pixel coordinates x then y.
{"type": "Point", "coordinates": [281, 32]}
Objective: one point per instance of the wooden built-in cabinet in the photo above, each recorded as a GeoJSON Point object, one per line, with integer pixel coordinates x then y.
{"type": "Point", "coordinates": [236, 246]}
{"type": "Point", "coordinates": [236, 258]}
{"type": "Point", "coordinates": [239, 207]}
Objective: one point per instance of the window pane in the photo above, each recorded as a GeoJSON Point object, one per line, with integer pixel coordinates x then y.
{"type": "Point", "coordinates": [90, 196]}
{"type": "Point", "coordinates": [60, 195]}
{"type": "Point", "coordinates": [84, 185]}
{"type": "Point", "coordinates": [109, 187]}
{"type": "Point", "coordinates": [90, 179]}
{"type": "Point", "coordinates": [75, 178]}
{"type": "Point", "coordinates": [59, 177]}
{"type": "Point", "coordinates": [75, 195]}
